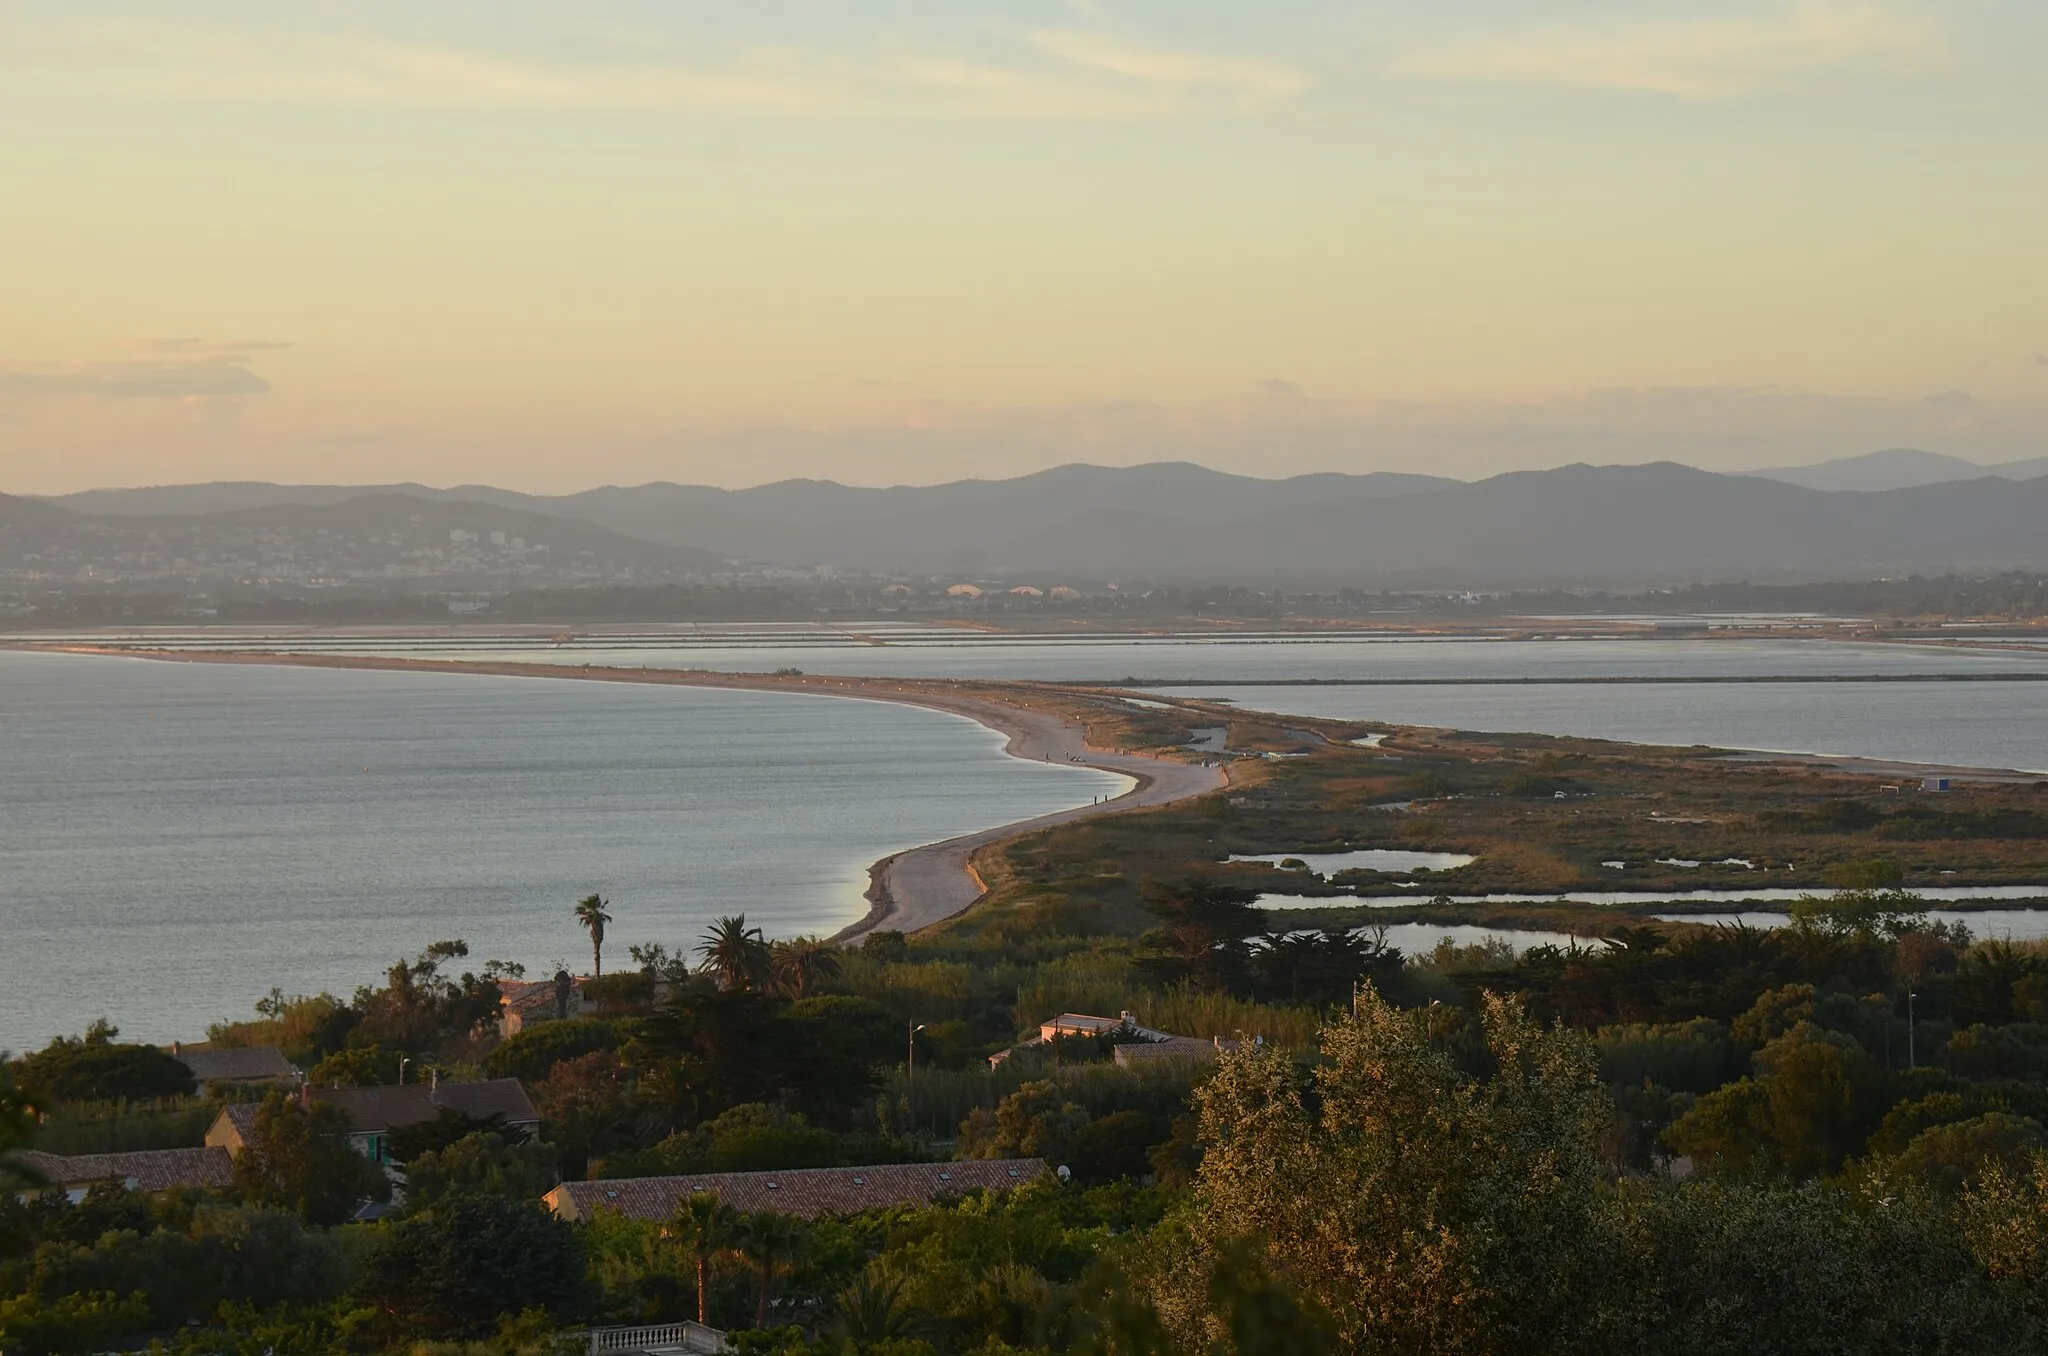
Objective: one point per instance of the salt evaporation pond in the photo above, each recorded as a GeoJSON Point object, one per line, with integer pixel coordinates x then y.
{"type": "Point", "coordinates": [1626, 898]}
{"type": "Point", "coordinates": [1366, 859]}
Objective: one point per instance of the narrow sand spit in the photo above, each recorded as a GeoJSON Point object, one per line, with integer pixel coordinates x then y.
{"type": "Point", "coordinates": [909, 890]}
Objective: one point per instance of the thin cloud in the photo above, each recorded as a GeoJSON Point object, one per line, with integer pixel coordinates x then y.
{"type": "Point", "coordinates": [1718, 55]}
{"type": "Point", "coordinates": [1245, 81]}
{"type": "Point", "coordinates": [190, 369]}
{"type": "Point", "coordinates": [1054, 74]}
{"type": "Point", "coordinates": [213, 348]}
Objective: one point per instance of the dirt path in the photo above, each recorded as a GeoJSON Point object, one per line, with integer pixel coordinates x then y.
{"type": "Point", "coordinates": [909, 890]}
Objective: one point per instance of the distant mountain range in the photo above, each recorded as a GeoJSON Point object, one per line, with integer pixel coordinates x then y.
{"type": "Point", "coordinates": [356, 536]}
{"type": "Point", "coordinates": [1899, 468]}
{"type": "Point", "coordinates": [1177, 523]}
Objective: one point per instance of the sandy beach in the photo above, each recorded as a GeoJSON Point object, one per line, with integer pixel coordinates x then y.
{"type": "Point", "coordinates": [909, 890]}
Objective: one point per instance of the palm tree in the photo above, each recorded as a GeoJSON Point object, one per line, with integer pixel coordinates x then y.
{"type": "Point", "coordinates": [590, 911]}
{"type": "Point", "coordinates": [704, 1228]}
{"type": "Point", "coordinates": [803, 965]}
{"type": "Point", "coordinates": [872, 1311]}
{"type": "Point", "coordinates": [769, 1242]}
{"type": "Point", "coordinates": [737, 954]}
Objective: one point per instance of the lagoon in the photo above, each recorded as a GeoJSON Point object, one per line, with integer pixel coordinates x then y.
{"type": "Point", "coordinates": [176, 839]}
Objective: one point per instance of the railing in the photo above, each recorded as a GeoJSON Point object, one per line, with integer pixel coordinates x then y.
{"type": "Point", "coordinates": [690, 1337]}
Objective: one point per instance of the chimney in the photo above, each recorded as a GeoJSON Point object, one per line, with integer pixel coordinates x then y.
{"type": "Point", "coordinates": [306, 1095]}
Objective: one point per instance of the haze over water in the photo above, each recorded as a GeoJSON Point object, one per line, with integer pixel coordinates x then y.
{"type": "Point", "coordinates": [174, 840]}
{"type": "Point", "coordinates": [1975, 724]}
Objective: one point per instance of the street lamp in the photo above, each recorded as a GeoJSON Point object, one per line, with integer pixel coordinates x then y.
{"type": "Point", "coordinates": [910, 1060]}
{"type": "Point", "coordinates": [403, 1060]}
{"type": "Point", "coordinates": [1910, 995]}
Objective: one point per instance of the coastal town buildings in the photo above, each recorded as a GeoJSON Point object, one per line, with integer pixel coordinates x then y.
{"type": "Point", "coordinates": [144, 1170]}
{"type": "Point", "coordinates": [373, 1113]}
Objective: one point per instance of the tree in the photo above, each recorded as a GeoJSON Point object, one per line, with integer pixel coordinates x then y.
{"type": "Point", "coordinates": [590, 912]}
{"type": "Point", "coordinates": [801, 966]}
{"type": "Point", "coordinates": [770, 1242]}
{"type": "Point", "coordinates": [1035, 1121]}
{"type": "Point", "coordinates": [1200, 938]}
{"type": "Point", "coordinates": [457, 1268]}
{"type": "Point", "coordinates": [703, 1228]}
{"type": "Point", "coordinates": [1816, 1097]}
{"type": "Point", "coordinates": [735, 954]}
{"type": "Point", "coordinates": [99, 1068]}
{"type": "Point", "coordinates": [407, 1142]}
{"type": "Point", "coordinates": [487, 1164]}
{"type": "Point", "coordinates": [297, 1158]}
{"type": "Point", "coordinates": [871, 1311]}
{"type": "Point", "coordinates": [363, 1066]}
{"type": "Point", "coordinates": [1420, 1206]}
{"type": "Point", "coordinates": [17, 1131]}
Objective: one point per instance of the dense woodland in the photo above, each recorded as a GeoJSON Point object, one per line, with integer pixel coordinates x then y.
{"type": "Point", "coordinates": [1827, 1137]}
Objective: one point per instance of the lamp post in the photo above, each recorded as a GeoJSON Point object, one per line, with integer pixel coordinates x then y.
{"type": "Point", "coordinates": [910, 1054]}
{"type": "Point", "coordinates": [1910, 995]}
{"type": "Point", "coordinates": [403, 1060]}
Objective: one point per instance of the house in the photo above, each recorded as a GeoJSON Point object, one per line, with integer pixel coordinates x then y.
{"type": "Point", "coordinates": [803, 1192]}
{"type": "Point", "coordinates": [145, 1170]}
{"type": "Point", "coordinates": [257, 1064]}
{"type": "Point", "coordinates": [1070, 1024]}
{"type": "Point", "coordinates": [231, 1129]}
{"type": "Point", "coordinates": [373, 1113]}
{"type": "Point", "coordinates": [525, 1003]}
{"type": "Point", "coordinates": [1081, 1024]}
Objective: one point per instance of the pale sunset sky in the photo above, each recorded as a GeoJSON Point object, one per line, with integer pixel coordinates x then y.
{"type": "Point", "coordinates": [548, 246]}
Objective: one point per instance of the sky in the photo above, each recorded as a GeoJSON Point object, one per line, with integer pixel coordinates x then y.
{"type": "Point", "coordinates": [548, 246]}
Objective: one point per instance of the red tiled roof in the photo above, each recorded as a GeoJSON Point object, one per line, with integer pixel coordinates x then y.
{"type": "Point", "coordinates": [258, 1062]}
{"type": "Point", "coordinates": [372, 1111]}
{"type": "Point", "coordinates": [803, 1192]}
{"type": "Point", "coordinates": [149, 1170]}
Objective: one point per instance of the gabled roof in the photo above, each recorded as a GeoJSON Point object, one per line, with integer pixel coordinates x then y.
{"type": "Point", "coordinates": [253, 1064]}
{"type": "Point", "coordinates": [146, 1170]}
{"type": "Point", "coordinates": [372, 1111]}
{"type": "Point", "coordinates": [803, 1192]}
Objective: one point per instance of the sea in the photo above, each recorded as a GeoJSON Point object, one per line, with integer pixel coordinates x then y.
{"type": "Point", "coordinates": [175, 840]}
{"type": "Point", "coordinates": [1772, 694]}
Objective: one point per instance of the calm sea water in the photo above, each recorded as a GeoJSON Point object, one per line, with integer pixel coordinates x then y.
{"type": "Point", "coordinates": [2000, 725]}
{"type": "Point", "coordinates": [1990, 724]}
{"type": "Point", "coordinates": [174, 840]}
{"type": "Point", "coordinates": [915, 651]}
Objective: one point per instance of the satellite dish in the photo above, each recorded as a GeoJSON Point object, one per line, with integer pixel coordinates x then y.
{"type": "Point", "coordinates": [1066, 1173]}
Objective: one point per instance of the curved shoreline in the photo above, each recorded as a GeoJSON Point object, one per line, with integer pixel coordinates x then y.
{"type": "Point", "coordinates": [907, 890]}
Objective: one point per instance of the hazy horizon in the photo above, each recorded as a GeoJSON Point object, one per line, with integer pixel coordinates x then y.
{"type": "Point", "coordinates": [546, 250]}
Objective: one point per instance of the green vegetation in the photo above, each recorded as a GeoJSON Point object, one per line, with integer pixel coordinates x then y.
{"type": "Point", "coordinates": [1668, 1138]}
